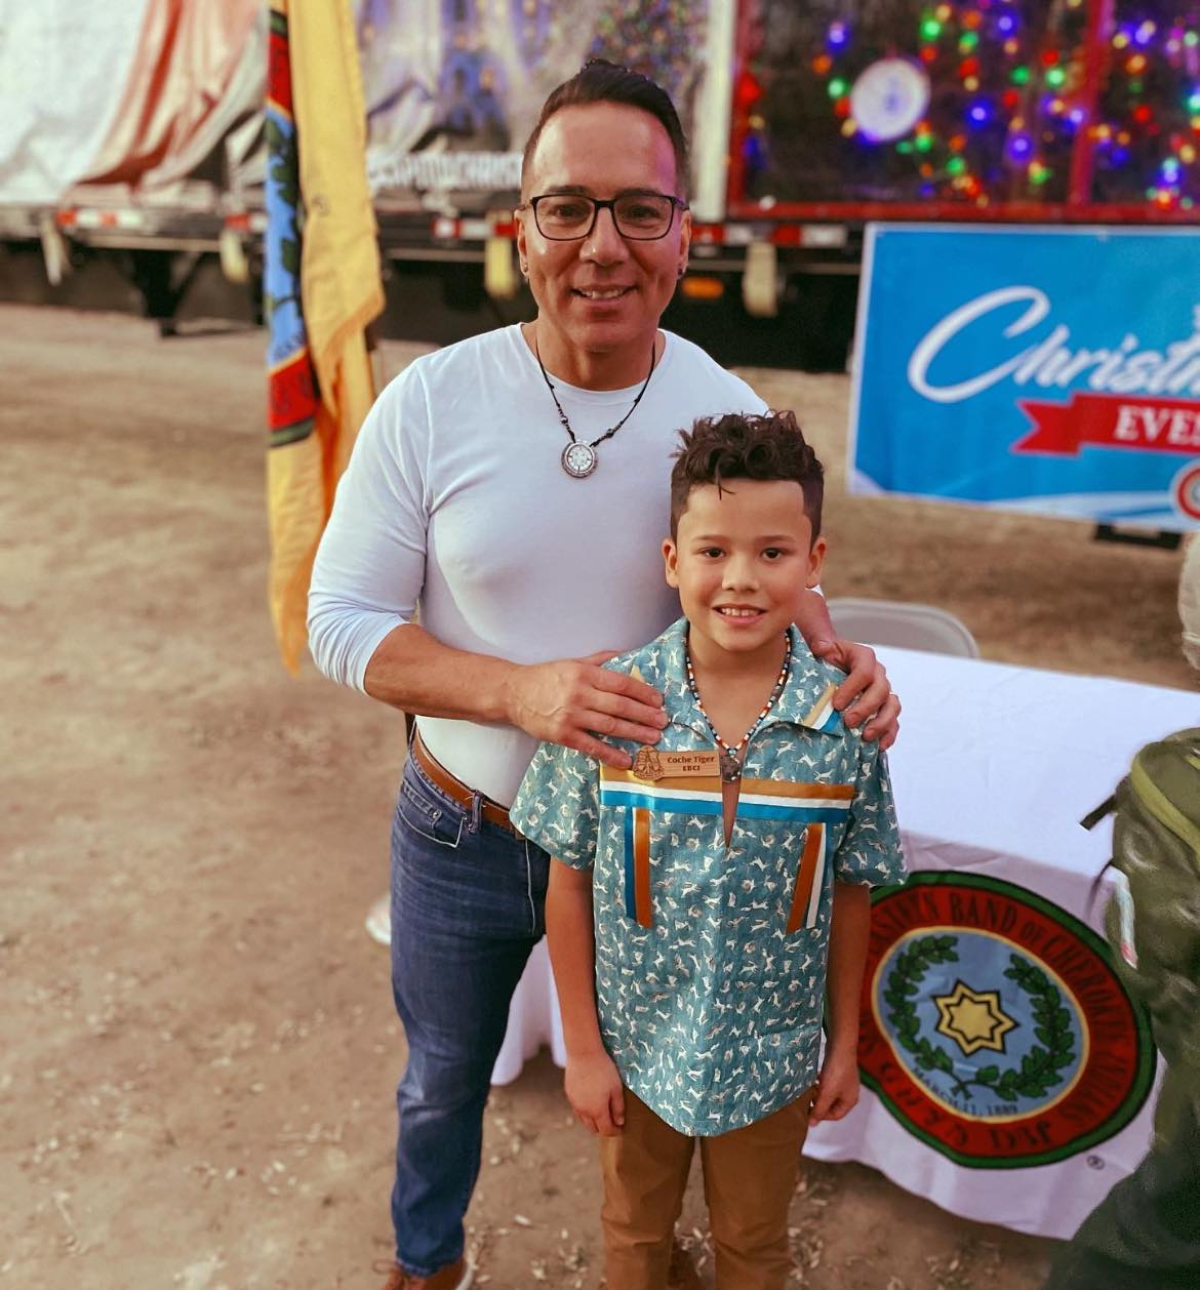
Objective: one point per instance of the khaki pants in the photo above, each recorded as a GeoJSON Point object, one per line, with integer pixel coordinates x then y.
{"type": "Point", "coordinates": [750, 1175]}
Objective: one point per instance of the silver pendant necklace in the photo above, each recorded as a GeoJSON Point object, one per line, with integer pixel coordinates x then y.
{"type": "Point", "coordinates": [578, 458]}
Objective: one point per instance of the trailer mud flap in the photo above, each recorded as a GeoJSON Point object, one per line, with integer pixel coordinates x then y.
{"type": "Point", "coordinates": [760, 283]}
{"type": "Point", "coordinates": [499, 273]}
{"type": "Point", "coordinates": [234, 263]}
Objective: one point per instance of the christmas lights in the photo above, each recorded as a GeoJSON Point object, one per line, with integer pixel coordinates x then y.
{"type": "Point", "coordinates": [1006, 103]}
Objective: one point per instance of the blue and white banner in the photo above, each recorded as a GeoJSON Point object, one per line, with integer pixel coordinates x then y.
{"type": "Point", "coordinates": [1047, 370]}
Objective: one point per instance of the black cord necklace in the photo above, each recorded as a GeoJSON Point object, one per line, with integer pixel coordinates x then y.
{"type": "Point", "coordinates": [578, 458]}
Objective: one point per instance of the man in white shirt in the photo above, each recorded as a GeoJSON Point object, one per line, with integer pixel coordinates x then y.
{"type": "Point", "coordinates": [515, 486]}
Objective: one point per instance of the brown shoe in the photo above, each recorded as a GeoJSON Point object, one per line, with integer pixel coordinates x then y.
{"type": "Point", "coordinates": [455, 1276]}
{"type": "Point", "coordinates": [682, 1274]}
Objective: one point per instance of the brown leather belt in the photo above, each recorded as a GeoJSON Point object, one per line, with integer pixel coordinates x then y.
{"type": "Point", "coordinates": [455, 789]}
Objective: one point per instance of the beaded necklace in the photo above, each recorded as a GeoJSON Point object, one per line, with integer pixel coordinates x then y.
{"type": "Point", "coordinates": [730, 758]}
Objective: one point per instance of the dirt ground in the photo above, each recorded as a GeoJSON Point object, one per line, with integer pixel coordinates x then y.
{"type": "Point", "coordinates": [197, 1045]}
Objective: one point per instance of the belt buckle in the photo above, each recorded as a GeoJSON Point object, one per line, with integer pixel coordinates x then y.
{"type": "Point", "coordinates": [499, 815]}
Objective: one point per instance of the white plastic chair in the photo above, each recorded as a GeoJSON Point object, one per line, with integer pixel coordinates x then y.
{"type": "Point", "coordinates": [902, 623]}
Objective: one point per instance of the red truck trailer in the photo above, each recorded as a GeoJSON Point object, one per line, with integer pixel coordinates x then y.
{"type": "Point", "coordinates": [807, 122]}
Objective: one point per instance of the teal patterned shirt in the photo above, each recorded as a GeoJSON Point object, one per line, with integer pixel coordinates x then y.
{"type": "Point", "coordinates": [711, 960]}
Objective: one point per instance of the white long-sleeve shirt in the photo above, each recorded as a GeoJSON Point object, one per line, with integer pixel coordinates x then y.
{"type": "Point", "coordinates": [455, 499]}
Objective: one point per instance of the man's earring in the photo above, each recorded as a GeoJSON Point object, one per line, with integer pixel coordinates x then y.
{"type": "Point", "coordinates": [682, 271]}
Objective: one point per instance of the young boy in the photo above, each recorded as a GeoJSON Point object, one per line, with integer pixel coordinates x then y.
{"type": "Point", "coordinates": [701, 902]}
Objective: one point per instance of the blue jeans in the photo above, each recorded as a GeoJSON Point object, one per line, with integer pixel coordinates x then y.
{"type": "Point", "coordinates": [468, 906]}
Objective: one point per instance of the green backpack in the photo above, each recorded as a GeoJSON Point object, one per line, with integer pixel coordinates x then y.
{"type": "Point", "coordinates": [1154, 919]}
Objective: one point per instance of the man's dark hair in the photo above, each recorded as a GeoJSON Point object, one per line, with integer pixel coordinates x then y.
{"type": "Point", "coordinates": [603, 82]}
{"type": "Point", "coordinates": [735, 446]}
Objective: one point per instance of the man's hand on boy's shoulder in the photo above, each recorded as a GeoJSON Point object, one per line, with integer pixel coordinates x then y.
{"type": "Point", "coordinates": [596, 1094]}
{"type": "Point", "coordinates": [866, 691]}
{"type": "Point", "coordinates": [578, 703]}
{"type": "Point", "coordinates": [837, 1085]}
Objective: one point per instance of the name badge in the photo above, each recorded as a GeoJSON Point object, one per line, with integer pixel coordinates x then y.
{"type": "Point", "coordinates": [651, 764]}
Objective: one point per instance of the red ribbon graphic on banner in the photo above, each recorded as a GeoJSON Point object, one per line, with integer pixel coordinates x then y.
{"type": "Point", "coordinates": [1112, 421]}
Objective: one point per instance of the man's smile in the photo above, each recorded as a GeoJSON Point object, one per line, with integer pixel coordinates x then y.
{"type": "Point", "coordinates": [601, 293]}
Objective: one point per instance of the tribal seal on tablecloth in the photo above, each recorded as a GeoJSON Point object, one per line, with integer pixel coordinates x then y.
{"type": "Point", "coordinates": [994, 1026]}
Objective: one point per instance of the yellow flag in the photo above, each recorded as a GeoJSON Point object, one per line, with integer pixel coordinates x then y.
{"type": "Point", "coordinates": [322, 287]}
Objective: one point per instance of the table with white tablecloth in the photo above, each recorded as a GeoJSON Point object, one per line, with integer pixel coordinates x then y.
{"type": "Point", "coordinates": [1007, 1076]}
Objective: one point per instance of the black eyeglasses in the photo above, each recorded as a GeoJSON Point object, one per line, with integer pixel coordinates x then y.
{"type": "Point", "coordinates": [640, 217]}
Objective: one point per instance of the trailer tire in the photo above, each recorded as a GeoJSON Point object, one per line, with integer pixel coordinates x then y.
{"type": "Point", "coordinates": [819, 312]}
{"type": "Point", "coordinates": [462, 287]}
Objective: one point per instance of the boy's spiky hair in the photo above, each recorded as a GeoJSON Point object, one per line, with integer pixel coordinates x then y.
{"type": "Point", "coordinates": [739, 446]}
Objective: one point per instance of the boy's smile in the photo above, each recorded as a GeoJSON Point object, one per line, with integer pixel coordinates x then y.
{"type": "Point", "coordinates": [740, 559]}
